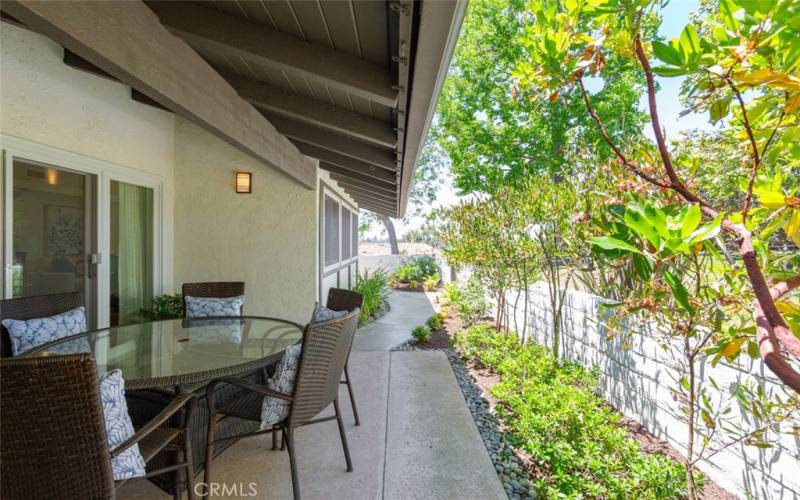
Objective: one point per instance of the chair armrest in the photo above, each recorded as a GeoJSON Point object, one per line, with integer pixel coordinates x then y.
{"type": "Point", "coordinates": [184, 400]}
{"type": "Point", "coordinates": [248, 386]}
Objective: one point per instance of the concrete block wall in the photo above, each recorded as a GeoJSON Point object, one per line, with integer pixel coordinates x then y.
{"type": "Point", "coordinates": [636, 374]}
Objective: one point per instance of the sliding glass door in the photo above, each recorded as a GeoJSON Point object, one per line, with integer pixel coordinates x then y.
{"type": "Point", "coordinates": [51, 231]}
{"type": "Point", "coordinates": [71, 223]}
{"type": "Point", "coordinates": [131, 266]}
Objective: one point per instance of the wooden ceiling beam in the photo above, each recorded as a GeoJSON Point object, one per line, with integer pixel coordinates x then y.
{"type": "Point", "coordinates": [317, 113]}
{"type": "Point", "coordinates": [342, 160]}
{"type": "Point", "coordinates": [362, 176]}
{"type": "Point", "coordinates": [370, 193]}
{"type": "Point", "coordinates": [366, 185]}
{"type": "Point", "coordinates": [383, 157]}
{"type": "Point", "coordinates": [127, 41]}
{"type": "Point", "coordinates": [236, 37]}
{"type": "Point", "coordinates": [378, 209]}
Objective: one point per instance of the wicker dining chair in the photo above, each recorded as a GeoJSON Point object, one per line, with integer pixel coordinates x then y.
{"type": "Point", "coordinates": [38, 306]}
{"type": "Point", "coordinates": [53, 436]}
{"type": "Point", "coordinates": [325, 346]}
{"type": "Point", "coordinates": [340, 299]}
{"type": "Point", "coordinates": [217, 289]}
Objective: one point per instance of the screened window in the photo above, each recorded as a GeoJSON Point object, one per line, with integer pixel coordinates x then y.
{"type": "Point", "coordinates": [354, 234]}
{"type": "Point", "coordinates": [331, 231]}
{"type": "Point", "coordinates": [346, 250]}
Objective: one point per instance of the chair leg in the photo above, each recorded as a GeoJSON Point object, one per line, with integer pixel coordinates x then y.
{"type": "Point", "coordinates": [209, 453]}
{"type": "Point", "coordinates": [342, 434]}
{"type": "Point", "coordinates": [350, 393]}
{"type": "Point", "coordinates": [188, 457]}
{"type": "Point", "coordinates": [274, 440]}
{"type": "Point", "coordinates": [288, 438]}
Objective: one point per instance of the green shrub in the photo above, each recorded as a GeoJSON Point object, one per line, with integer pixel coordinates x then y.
{"type": "Point", "coordinates": [473, 305]}
{"type": "Point", "coordinates": [419, 269]}
{"type": "Point", "coordinates": [432, 282]}
{"type": "Point", "coordinates": [374, 286]}
{"type": "Point", "coordinates": [553, 414]}
{"type": "Point", "coordinates": [421, 333]}
{"type": "Point", "coordinates": [435, 322]}
{"type": "Point", "coordinates": [164, 307]}
{"type": "Point", "coordinates": [452, 294]}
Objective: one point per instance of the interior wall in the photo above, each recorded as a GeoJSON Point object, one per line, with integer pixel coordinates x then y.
{"type": "Point", "coordinates": [266, 238]}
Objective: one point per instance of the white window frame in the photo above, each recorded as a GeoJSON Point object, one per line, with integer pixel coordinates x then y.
{"type": "Point", "coordinates": [105, 172]}
{"type": "Point", "coordinates": [328, 270]}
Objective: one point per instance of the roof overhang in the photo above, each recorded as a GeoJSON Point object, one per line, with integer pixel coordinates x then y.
{"type": "Point", "coordinates": [352, 84]}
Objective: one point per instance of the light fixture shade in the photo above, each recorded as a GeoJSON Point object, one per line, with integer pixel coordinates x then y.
{"type": "Point", "coordinates": [244, 182]}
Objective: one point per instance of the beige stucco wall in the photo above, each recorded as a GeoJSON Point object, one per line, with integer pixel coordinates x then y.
{"type": "Point", "coordinates": [266, 239]}
{"type": "Point", "coordinates": [46, 101]}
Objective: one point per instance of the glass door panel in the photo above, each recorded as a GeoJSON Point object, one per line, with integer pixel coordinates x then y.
{"type": "Point", "coordinates": [51, 231]}
{"type": "Point", "coordinates": [131, 265]}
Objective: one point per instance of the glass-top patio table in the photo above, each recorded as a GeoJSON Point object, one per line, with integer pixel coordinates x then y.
{"type": "Point", "coordinates": [180, 353]}
{"type": "Point", "coordinates": [158, 359]}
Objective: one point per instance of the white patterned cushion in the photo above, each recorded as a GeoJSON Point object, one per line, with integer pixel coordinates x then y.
{"type": "Point", "coordinates": [322, 313]}
{"type": "Point", "coordinates": [119, 428]}
{"type": "Point", "coordinates": [30, 333]}
{"type": "Point", "coordinates": [273, 410]}
{"type": "Point", "coordinates": [203, 307]}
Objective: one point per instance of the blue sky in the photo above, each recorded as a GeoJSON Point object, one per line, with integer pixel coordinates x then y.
{"type": "Point", "coordinates": [674, 17]}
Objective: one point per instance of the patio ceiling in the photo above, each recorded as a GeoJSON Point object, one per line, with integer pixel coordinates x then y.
{"type": "Point", "coordinates": [352, 83]}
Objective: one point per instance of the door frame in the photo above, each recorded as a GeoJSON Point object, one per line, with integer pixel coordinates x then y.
{"type": "Point", "coordinates": [104, 172]}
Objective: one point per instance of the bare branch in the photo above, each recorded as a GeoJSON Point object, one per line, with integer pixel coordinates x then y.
{"type": "Point", "coordinates": [628, 164]}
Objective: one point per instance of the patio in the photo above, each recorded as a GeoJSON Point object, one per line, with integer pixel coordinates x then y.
{"type": "Point", "coordinates": [416, 440]}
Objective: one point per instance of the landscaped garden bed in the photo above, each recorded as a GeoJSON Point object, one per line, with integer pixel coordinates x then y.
{"type": "Point", "coordinates": [547, 432]}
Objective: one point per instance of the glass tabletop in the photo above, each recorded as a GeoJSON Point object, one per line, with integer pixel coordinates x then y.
{"type": "Point", "coordinates": [176, 351]}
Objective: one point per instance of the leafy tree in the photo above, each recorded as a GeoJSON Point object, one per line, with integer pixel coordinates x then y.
{"type": "Point", "coordinates": [492, 136]}
{"type": "Point", "coordinates": [742, 45]}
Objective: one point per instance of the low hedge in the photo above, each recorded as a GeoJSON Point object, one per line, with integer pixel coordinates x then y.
{"type": "Point", "coordinates": [578, 445]}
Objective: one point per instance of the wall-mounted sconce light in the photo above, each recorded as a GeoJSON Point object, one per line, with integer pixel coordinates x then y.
{"type": "Point", "coordinates": [244, 182]}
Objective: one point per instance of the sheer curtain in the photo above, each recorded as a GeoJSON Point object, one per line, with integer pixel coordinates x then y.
{"type": "Point", "coordinates": [135, 262]}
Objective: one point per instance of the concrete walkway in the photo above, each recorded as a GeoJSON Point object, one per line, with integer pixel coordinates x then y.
{"type": "Point", "coordinates": [416, 440]}
{"type": "Point", "coordinates": [408, 309]}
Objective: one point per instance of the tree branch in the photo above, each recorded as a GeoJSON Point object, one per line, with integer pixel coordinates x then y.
{"type": "Point", "coordinates": [628, 164]}
{"type": "Point", "coordinates": [753, 145]}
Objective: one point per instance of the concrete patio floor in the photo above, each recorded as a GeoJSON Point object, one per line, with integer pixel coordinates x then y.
{"type": "Point", "coordinates": [416, 440]}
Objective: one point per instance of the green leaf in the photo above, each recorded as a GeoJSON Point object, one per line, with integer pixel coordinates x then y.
{"type": "Point", "coordinates": [668, 72]}
{"type": "Point", "coordinates": [719, 109]}
{"type": "Point", "coordinates": [642, 226]}
{"type": "Point", "coordinates": [706, 231]}
{"type": "Point", "coordinates": [752, 350]}
{"type": "Point", "coordinates": [643, 266]}
{"type": "Point", "coordinates": [690, 219]}
{"type": "Point", "coordinates": [690, 42]}
{"type": "Point", "coordinates": [667, 54]}
{"type": "Point", "coordinates": [678, 291]}
{"type": "Point", "coordinates": [609, 243]}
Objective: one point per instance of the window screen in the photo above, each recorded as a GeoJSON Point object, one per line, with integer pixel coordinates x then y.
{"type": "Point", "coordinates": [345, 234]}
{"type": "Point", "coordinates": [354, 234]}
{"type": "Point", "coordinates": [331, 231]}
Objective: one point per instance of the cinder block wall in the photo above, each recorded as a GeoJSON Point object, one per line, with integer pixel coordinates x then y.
{"type": "Point", "coordinates": [636, 373]}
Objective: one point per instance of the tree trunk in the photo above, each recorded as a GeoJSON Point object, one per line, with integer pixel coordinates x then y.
{"type": "Point", "coordinates": [387, 222]}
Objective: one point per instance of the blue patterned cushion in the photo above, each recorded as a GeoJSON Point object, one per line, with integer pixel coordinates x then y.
{"type": "Point", "coordinates": [203, 307]}
{"type": "Point", "coordinates": [217, 331]}
{"type": "Point", "coordinates": [119, 428]}
{"type": "Point", "coordinates": [30, 333]}
{"type": "Point", "coordinates": [273, 410]}
{"type": "Point", "coordinates": [322, 313]}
